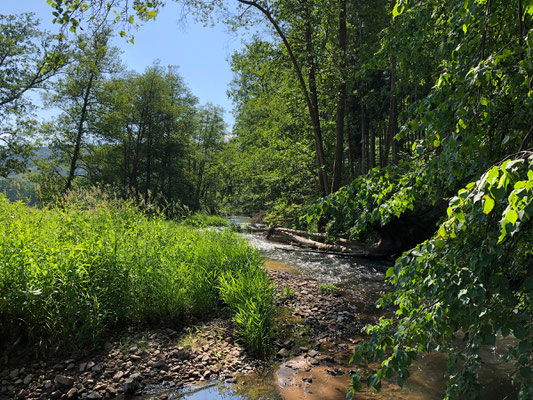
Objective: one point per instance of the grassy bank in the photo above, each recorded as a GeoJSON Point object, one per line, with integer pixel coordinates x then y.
{"type": "Point", "coordinates": [69, 274]}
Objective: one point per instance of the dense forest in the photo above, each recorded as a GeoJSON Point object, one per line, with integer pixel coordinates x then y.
{"type": "Point", "coordinates": [403, 124]}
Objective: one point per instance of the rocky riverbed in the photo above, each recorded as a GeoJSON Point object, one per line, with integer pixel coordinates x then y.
{"type": "Point", "coordinates": [318, 326]}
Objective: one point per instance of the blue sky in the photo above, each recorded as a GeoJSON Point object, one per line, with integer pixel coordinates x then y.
{"type": "Point", "coordinates": [202, 53]}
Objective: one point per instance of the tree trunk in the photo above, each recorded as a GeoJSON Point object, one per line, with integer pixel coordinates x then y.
{"type": "Point", "coordinates": [341, 102]}
{"type": "Point", "coordinates": [79, 135]}
{"type": "Point", "coordinates": [392, 129]}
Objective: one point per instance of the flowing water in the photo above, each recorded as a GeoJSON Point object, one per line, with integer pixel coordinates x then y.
{"type": "Point", "coordinates": [362, 281]}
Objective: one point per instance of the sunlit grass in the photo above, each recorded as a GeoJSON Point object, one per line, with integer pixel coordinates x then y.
{"type": "Point", "coordinates": [68, 274]}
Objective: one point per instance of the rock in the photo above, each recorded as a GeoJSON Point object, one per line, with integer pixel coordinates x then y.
{"type": "Point", "coordinates": [159, 364]}
{"type": "Point", "coordinates": [313, 353]}
{"type": "Point", "coordinates": [13, 374]}
{"type": "Point", "coordinates": [94, 396]}
{"type": "Point", "coordinates": [83, 366]}
{"type": "Point", "coordinates": [307, 380]}
{"type": "Point", "coordinates": [283, 353]}
{"type": "Point", "coordinates": [334, 372]}
{"type": "Point", "coordinates": [112, 391]}
{"type": "Point", "coordinates": [97, 368]}
{"type": "Point", "coordinates": [55, 395]}
{"type": "Point", "coordinates": [130, 386]}
{"type": "Point", "coordinates": [118, 376]}
{"type": "Point", "coordinates": [64, 381]}
{"type": "Point", "coordinates": [231, 380]}
{"type": "Point", "coordinates": [181, 354]}
{"type": "Point", "coordinates": [72, 393]}
{"type": "Point", "coordinates": [28, 379]}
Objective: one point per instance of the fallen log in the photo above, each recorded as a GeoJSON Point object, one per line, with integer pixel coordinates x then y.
{"type": "Point", "coordinates": [347, 249]}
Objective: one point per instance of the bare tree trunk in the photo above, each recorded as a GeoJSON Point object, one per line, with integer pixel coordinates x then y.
{"type": "Point", "coordinates": [392, 129]}
{"type": "Point", "coordinates": [79, 135]}
{"type": "Point", "coordinates": [372, 150]}
{"type": "Point", "coordinates": [341, 102]}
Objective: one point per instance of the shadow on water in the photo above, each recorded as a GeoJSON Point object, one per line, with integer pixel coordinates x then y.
{"type": "Point", "coordinates": [362, 282]}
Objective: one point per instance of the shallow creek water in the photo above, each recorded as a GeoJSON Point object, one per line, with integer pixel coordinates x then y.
{"type": "Point", "coordinates": [361, 281]}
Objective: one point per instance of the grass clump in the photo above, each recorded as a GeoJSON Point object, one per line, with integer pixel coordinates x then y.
{"type": "Point", "coordinates": [202, 220]}
{"type": "Point", "coordinates": [250, 297]}
{"type": "Point", "coordinates": [326, 288]}
{"type": "Point", "coordinates": [69, 273]}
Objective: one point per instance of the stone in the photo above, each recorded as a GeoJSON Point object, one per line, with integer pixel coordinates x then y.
{"type": "Point", "coordinates": [65, 381]}
{"type": "Point", "coordinates": [313, 353]}
{"type": "Point", "coordinates": [13, 374]}
{"type": "Point", "coordinates": [94, 396]}
{"type": "Point", "coordinates": [130, 386]}
{"type": "Point", "coordinates": [28, 379]}
{"type": "Point", "coordinates": [72, 393]}
{"type": "Point", "coordinates": [283, 353]}
{"type": "Point", "coordinates": [118, 376]}
{"type": "Point", "coordinates": [83, 366]}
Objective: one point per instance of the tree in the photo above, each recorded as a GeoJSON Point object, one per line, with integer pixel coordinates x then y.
{"type": "Point", "coordinates": [27, 62]}
{"type": "Point", "coordinates": [75, 95]}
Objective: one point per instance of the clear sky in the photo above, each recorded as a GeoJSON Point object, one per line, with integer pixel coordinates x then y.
{"type": "Point", "coordinates": [202, 53]}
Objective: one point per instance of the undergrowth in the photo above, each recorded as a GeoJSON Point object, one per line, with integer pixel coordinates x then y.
{"type": "Point", "coordinates": [70, 273]}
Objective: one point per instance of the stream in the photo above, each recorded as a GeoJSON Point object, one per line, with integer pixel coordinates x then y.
{"type": "Point", "coordinates": [361, 281]}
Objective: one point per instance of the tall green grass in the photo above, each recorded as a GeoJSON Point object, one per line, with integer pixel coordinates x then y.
{"type": "Point", "coordinates": [69, 273]}
{"type": "Point", "coordinates": [202, 220]}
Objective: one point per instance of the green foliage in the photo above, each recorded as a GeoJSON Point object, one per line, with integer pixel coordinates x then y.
{"type": "Point", "coordinates": [327, 288]}
{"type": "Point", "coordinates": [287, 292]}
{"type": "Point", "coordinates": [202, 220]}
{"type": "Point", "coordinates": [250, 296]}
{"type": "Point", "coordinates": [472, 281]}
{"type": "Point", "coordinates": [69, 273]}
{"type": "Point", "coordinates": [375, 199]}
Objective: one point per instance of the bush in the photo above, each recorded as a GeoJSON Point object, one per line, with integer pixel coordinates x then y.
{"type": "Point", "coordinates": [69, 273]}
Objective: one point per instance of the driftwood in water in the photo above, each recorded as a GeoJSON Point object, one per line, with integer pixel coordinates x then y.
{"type": "Point", "coordinates": [346, 248]}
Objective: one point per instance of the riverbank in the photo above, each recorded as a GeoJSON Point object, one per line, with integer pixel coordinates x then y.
{"type": "Point", "coordinates": [316, 325]}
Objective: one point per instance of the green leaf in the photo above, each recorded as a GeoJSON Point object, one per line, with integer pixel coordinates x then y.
{"type": "Point", "coordinates": [511, 216]}
{"type": "Point", "coordinates": [488, 205]}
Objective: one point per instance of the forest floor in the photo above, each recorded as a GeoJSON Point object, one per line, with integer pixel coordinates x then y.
{"type": "Point", "coordinates": [314, 330]}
